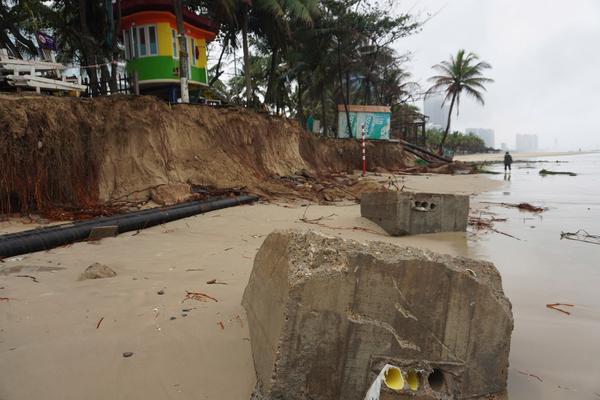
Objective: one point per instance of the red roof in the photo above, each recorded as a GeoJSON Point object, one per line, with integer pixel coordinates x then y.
{"type": "Point", "coordinates": [133, 6]}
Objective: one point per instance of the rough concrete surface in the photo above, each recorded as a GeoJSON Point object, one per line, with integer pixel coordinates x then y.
{"type": "Point", "coordinates": [326, 314]}
{"type": "Point", "coordinates": [407, 213]}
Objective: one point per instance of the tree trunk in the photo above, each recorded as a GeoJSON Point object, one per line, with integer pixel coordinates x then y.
{"type": "Point", "coordinates": [115, 51]}
{"type": "Point", "coordinates": [441, 149]}
{"type": "Point", "coordinates": [105, 79]}
{"type": "Point", "coordinates": [247, 76]}
{"type": "Point", "coordinates": [218, 71]}
{"type": "Point", "coordinates": [87, 49]}
{"type": "Point", "coordinates": [344, 100]}
{"type": "Point", "coordinates": [348, 87]}
{"type": "Point", "coordinates": [300, 105]}
{"type": "Point", "coordinates": [367, 90]}
{"type": "Point", "coordinates": [183, 54]}
{"type": "Point", "coordinates": [323, 114]}
{"type": "Point", "coordinates": [269, 95]}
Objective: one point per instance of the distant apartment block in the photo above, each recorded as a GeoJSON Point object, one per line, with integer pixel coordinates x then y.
{"type": "Point", "coordinates": [487, 135]}
{"type": "Point", "coordinates": [437, 112]}
{"type": "Point", "coordinates": [527, 142]}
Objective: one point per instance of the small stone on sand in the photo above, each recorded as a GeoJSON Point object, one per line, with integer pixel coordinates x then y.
{"type": "Point", "coordinates": [127, 354]}
{"type": "Point", "coordinates": [97, 271]}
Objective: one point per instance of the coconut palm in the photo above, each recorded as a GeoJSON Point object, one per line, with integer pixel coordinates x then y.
{"type": "Point", "coordinates": [461, 73]}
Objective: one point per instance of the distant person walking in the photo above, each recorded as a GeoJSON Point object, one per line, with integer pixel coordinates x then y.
{"type": "Point", "coordinates": [507, 161]}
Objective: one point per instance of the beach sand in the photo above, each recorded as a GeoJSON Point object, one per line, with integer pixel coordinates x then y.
{"type": "Point", "coordinates": [62, 338]}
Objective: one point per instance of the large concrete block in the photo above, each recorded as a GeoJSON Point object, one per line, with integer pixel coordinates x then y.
{"type": "Point", "coordinates": [407, 213]}
{"type": "Point", "coordinates": [326, 315]}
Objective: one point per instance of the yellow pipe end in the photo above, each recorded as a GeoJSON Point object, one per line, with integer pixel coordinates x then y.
{"type": "Point", "coordinates": [393, 379]}
{"type": "Point", "coordinates": [412, 378]}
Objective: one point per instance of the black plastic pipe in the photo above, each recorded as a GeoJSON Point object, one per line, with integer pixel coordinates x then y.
{"type": "Point", "coordinates": [96, 222]}
{"type": "Point", "coordinates": [46, 239]}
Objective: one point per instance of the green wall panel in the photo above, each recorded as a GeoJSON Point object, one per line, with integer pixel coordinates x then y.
{"type": "Point", "coordinates": [161, 67]}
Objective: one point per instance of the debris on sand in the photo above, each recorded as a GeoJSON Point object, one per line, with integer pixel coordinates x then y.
{"type": "Point", "coordinates": [99, 322]}
{"type": "Point", "coordinates": [33, 278]}
{"type": "Point", "coordinates": [198, 297]}
{"type": "Point", "coordinates": [520, 206]}
{"type": "Point", "coordinates": [97, 271]}
{"type": "Point", "coordinates": [555, 306]}
{"type": "Point", "coordinates": [127, 354]}
{"type": "Point", "coordinates": [215, 282]}
{"type": "Point", "coordinates": [531, 375]}
{"type": "Point", "coordinates": [582, 236]}
{"type": "Point", "coordinates": [545, 172]}
{"type": "Point", "coordinates": [482, 224]}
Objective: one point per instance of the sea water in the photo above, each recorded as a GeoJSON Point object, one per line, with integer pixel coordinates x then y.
{"type": "Point", "coordinates": [553, 355]}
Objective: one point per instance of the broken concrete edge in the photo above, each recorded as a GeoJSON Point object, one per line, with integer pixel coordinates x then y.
{"type": "Point", "coordinates": [483, 272]}
{"type": "Point", "coordinates": [309, 263]}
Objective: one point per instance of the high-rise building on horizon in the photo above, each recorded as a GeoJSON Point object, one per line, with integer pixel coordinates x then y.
{"type": "Point", "coordinates": [526, 142]}
{"type": "Point", "coordinates": [487, 135]}
{"type": "Point", "coordinates": [437, 111]}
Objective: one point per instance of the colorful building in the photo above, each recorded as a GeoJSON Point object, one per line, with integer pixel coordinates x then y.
{"type": "Point", "coordinates": [149, 31]}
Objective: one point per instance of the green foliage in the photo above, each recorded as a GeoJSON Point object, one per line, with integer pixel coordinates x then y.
{"type": "Point", "coordinates": [302, 57]}
{"type": "Point", "coordinates": [456, 142]}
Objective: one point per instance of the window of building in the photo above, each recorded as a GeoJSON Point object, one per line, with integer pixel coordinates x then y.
{"type": "Point", "coordinates": [134, 38]}
{"type": "Point", "coordinates": [152, 40]}
{"type": "Point", "coordinates": [142, 35]}
{"type": "Point", "coordinates": [140, 41]}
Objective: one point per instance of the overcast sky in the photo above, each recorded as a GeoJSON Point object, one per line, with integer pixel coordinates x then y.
{"type": "Point", "coordinates": [546, 63]}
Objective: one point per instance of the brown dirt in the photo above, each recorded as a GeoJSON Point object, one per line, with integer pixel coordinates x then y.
{"type": "Point", "coordinates": [66, 152]}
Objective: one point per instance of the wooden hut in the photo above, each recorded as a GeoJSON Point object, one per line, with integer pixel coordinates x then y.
{"type": "Point", "coordinates": [152, 47]}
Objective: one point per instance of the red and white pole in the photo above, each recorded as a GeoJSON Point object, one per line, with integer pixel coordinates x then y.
{"type": "Point", "coordinates": [364, 153]}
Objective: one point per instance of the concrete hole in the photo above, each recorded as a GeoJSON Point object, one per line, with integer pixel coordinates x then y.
{"type": "Point", "coordinates": [432, 206]}
{"type": "Point", "coordinates": [436, 380]}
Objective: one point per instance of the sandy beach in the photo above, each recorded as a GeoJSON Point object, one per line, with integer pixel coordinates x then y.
{"type": "Point", "coordinates": [67, 337]}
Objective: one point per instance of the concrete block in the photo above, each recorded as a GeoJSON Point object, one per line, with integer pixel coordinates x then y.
{"type": "Point", "coordinates": [407, 213]}
{"type": "Point", "coordinates": [326, 315]}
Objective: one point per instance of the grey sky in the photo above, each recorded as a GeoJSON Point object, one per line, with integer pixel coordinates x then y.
{"type": "Point", "coordinates": [546, 59]}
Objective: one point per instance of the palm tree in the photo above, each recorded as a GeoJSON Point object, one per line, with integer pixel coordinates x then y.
{"type": "Point", "coordinates": [463, 72]}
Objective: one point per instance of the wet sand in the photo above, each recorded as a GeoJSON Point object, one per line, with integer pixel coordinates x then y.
{"type": "Point", "coordinates": [51, 347]}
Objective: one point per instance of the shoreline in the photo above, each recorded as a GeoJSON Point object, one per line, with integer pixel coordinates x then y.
{"type": "Point", "coordinates": [60, 329]}
{"type": "Point", "coordinates": [517, 155]}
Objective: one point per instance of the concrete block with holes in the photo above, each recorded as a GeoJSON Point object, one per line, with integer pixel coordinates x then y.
{"type": "Point", "coordinates": [326, 315]}
{"type": "Point", "coordinates": [407, 213]}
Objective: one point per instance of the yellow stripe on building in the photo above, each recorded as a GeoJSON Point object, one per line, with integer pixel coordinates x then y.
{"type": "Point", "coordinates": [165, 39]}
